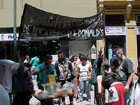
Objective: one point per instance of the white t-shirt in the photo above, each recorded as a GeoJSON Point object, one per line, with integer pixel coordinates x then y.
{"type": "Point", "coordinates": [4, 97]}
{"type": "Point", "coordinates": [89, 62]}
{"type": "Point", "coordinates": [84, 70]}
{"type": "Point", "coordinates": [7, 67]}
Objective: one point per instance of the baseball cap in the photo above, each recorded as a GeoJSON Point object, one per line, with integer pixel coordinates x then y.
{"type": "Point", "coordinates": [48, 57]}
{"type": "Point", "coordinates": [83, 58]}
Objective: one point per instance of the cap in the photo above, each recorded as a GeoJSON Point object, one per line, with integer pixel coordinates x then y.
{"type": "Point", "coordinates": [48, 57]}
{"type": "Point", "coordinates": [83, 58]}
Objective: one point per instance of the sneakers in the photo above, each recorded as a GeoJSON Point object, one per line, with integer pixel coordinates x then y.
{"type": "Point", "coordinates": [89, 100]}
{"type": "Point", "coordinates": [78, 101]}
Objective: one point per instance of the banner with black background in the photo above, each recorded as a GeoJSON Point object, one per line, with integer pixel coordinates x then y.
{"type": "Point", "coordinates": [37, 24]}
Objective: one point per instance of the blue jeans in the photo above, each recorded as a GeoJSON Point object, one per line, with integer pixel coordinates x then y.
{"type": "Point", "coordinates": [84, 85]}
{"type": "Point", "coordinates": [90, 84]}
{"type": "Point", "coordinates": [127, 100]}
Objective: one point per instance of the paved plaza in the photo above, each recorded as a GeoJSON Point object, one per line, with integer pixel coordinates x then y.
{"type": "Point", "coordinates": [84, 102]}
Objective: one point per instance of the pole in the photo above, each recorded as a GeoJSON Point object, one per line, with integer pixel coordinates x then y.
{"type": "Point", "coordinates": [14, 30]}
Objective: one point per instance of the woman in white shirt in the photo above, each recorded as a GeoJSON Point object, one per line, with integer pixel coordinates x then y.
{"type": "Point", "coordinates": [84, 72]}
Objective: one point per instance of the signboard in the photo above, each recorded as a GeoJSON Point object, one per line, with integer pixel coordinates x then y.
{"type": "Point", "coordinates": [7, 37]}
{"type": "Point", "coordinates": [115, 30]}
{"type": "Point", "coordinates": [41, 25]}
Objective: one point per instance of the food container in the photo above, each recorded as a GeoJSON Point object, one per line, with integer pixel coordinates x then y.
{"type": "Point", "coordinates": [50, 88]}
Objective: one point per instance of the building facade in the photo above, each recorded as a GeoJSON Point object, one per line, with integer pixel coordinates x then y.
{"type": "Point", "coordinates": [121, 27]}
{"type": "Point", "coordinates": [70, 8]}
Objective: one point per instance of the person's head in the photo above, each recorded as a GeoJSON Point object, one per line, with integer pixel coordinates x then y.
{"type": "Point", "coordinates": [73, 58]}
{"type": "Point", "coordinates": [79, 55]}
{"type": "Point", "coordinates": [61, 56]}
{"type": "Point", "coordinates": [83, 60]}
{"type": "Point", "coordinates": [2, 53]}
{"type": "Point", "coordinates": [21, 56]}
{"type": "Point", "coordinates": [100, 54]}
{"type": "Point", "coordinates": [48, 59]}
{"type": "Point", "coordinates": [114, 64]}
{"type": "Point", "coordinates": [27, 57]}
{"type": "Point", "coordinates": [120, 53]}
{"type": "Point", "coordinates": [88, 56]}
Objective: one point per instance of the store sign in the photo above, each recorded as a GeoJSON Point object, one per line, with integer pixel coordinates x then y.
{"type": "Point", "coordinates": [7, 37]}
{"type": "Point", "coordinates": [115, 30]}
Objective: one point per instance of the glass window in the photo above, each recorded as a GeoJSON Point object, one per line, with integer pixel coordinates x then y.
{"type": "Point", "coordinates": [114, 20]}
{"type": "Point", "coordinates": [138, 20]}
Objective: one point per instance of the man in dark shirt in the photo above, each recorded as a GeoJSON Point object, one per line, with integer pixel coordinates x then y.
{"type": "Point", "coordinates": [127, 67]}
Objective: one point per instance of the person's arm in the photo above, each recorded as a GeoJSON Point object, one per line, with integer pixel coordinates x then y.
{"type": "Point", "coordinates": [99, 85]}
{"type": "Point", "coordinates": [57, 71]}
{"type": "Point", "coordinates": [38, 69]}
{"type": "Point", "coordinates": [90, 72]}
{"type": "Point", "coordinates": [34, 72]}
{"type": "Point", "coordinates": [129, 66]}
{"type": "Point", "coordinates": [77, 74]}
{"type": "Point", "coordinates": [130, 78]}
{"type": "Point", "coordinates": [74, 65]}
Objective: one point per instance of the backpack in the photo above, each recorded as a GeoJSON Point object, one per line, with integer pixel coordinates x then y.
{"type": "Point", "coordinates": [64, 70]}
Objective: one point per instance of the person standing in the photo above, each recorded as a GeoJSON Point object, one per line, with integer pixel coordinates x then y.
{"type": "Point", "coordinates": [44, 70]}
{"type": "Point", "coordinates": [89, 62]}
{"type": "Point", "coordinates": [73, 60]}
{"type": "Point", "coordinates": [22, 95]}
{"type": "Point", "coordinates": [64, 72]}
{"type": "Point", "coordinates": [27, 60]}
{"type": "Point", "coordinates": [34, 62]}
{"type": "Point", "coordinates": [84, 72]}
{"type": "Point", "coordinates": [137, 86]}
{"type": "Point", "coordinates": [112, 83]}
{"type": "Point", "coordinates": [4, 97]}
{"type": "Point", "coordinates": [7, 68]}
{"type": "Point", "coordinates": [99, 67]}
{"type": "Point", "coordinates": [127, 68]}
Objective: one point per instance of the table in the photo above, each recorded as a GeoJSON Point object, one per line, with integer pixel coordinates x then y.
{"type": "Point", "coordinates": [46, 97]}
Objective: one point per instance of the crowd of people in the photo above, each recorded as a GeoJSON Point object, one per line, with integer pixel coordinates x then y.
{"type": "Point", "coordinates": [26, 76]}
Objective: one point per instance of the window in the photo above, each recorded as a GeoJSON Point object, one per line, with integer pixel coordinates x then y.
{"type": "Point", "coordinates": [114, 20]}
{"type": "Point", "coordinates": [138, 20]}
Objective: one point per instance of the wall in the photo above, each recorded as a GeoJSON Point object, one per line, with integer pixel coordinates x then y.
{"type": "Point", "coordinates": [72, 8]}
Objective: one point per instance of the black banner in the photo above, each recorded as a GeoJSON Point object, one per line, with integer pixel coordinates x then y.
{"type": "Point", "coordinates": [37, 24]}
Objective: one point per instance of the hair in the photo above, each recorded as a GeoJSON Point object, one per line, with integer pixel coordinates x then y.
{"type": "Point", "coordinates": [60, 51]}
{"type": "Point", "coordinates": [120, 51]}
{"type": "Point", "coordinates": [114, 62]}
{"type": "Point", "coordinates": [72, 58]}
